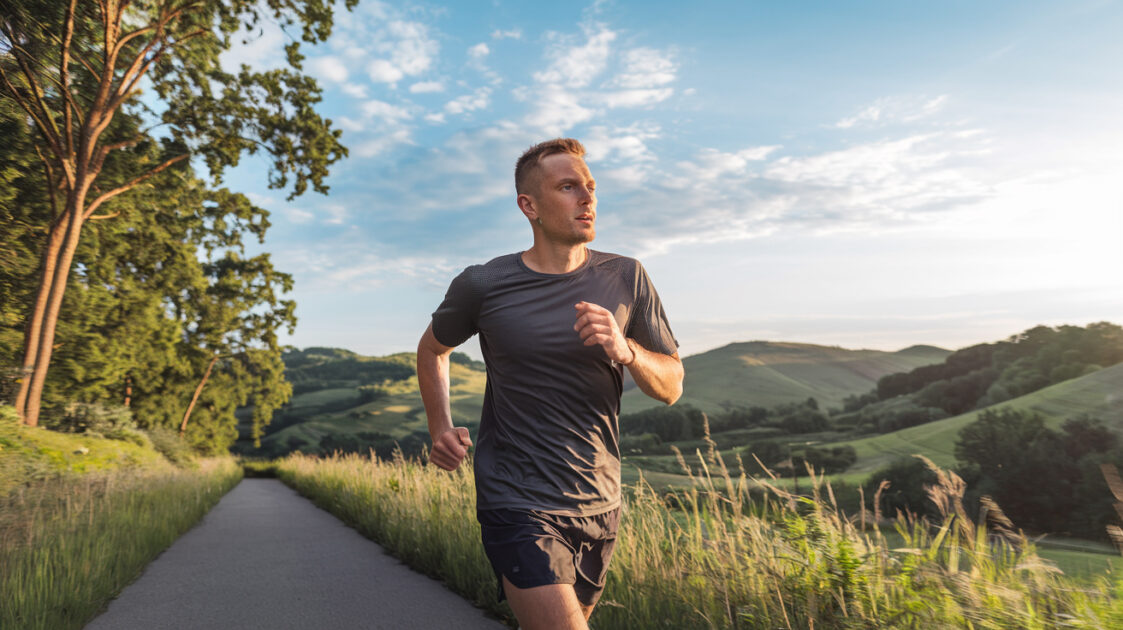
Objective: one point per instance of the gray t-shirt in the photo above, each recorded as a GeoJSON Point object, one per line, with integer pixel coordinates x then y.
{"type": "Point", "coordinates": [548, 437]}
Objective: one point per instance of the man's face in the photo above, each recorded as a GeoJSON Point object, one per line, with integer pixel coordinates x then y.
{"type": "Point", "coordinates": [565, 199]}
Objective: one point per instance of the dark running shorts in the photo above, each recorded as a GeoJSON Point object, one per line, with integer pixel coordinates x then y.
{"type": "Point", "coordinates": [534, 548]}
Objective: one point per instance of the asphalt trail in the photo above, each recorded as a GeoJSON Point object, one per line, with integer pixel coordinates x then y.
{"type": "Point", "coordinates": [266, 557]}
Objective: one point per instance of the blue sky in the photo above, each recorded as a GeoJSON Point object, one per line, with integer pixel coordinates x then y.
{"type": "Point", "coordinates": [863, 174]}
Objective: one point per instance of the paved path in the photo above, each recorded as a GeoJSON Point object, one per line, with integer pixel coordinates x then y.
{"type": "Point", "coordinates": [266, 557]}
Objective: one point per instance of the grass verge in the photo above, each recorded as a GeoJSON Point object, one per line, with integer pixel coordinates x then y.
{"type": "Point", "coordinates": [69, 544]}
{"type": "Point", "coordinates": [711, 557]}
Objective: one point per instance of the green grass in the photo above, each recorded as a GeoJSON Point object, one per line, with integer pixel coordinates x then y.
{"type": "Point", "coordinates": [721, 560]}
{"type": "Point", "coordinates": [70, 544]}
{"type": "Point", "coordinates": [30, 454]}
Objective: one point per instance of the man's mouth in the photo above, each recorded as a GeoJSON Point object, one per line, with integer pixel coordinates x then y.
{"type": "Point", "coordinates": [585, 218]}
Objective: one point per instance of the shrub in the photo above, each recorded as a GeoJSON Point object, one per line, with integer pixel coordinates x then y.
{"type": "Point", "coordinates": [169, 444]}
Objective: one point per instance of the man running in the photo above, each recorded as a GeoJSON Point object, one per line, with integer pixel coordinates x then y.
{"type": "Point", "coordinates": [558, 323]}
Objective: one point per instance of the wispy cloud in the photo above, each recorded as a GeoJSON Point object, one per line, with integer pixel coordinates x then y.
{"type": "Point", "coordinates": [514, 33]}
{"type": "Point", "coordinates": [894, 110]}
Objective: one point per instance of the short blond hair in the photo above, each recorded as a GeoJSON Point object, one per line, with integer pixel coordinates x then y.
{"type": "Point", "coordinates": [529, 160]}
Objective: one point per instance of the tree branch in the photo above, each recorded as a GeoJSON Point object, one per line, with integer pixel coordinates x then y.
{"type": "Point", "coordinates": [104, 216]}
{"type": "Point", "coordinates": [19, 98]}
{"type": "Point", "coordinates": [104, 150]}
{"type": "Point", "coordinates": [132, 183]}
{"type": "Point", "coordinates": [50, 183]}
{"type": "Point", "coordinates": [44, 119]}
{"type": "Point", "coordinates": [64, 74]}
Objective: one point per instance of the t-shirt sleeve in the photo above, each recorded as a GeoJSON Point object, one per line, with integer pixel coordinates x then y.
{"type": "Point", "coordinates": [648, 322]}
{"type": "Point", "coordinates": [455, 320]}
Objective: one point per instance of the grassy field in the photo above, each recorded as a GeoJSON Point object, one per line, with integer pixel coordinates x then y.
{"type": "Point", "coordinates": [766, 374]}
{"type": "Point", "coordinates": [720, 561]}
{"type": "Point", "coordinates": [81, 516]}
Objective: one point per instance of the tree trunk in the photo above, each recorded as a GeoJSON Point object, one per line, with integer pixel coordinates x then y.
{"type": "Point", "coordinates": [128, 390]}
{"type": "Point", "coordinates": [54, 303]}
{"type": "Point", "coordinates": [34, 326]}
{"type": "Point", "coordinates": [195, 398]}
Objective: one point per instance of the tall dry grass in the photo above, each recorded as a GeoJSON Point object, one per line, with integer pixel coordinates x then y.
{"type": "Point", "coordinates": [68, 545]}
{"type": "Point", "coordinates": [716, 556]}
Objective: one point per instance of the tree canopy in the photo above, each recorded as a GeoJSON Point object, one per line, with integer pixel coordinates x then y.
{"type": "Point", "coordinates": [115, 253]}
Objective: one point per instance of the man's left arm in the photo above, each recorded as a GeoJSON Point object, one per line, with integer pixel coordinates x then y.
{"type": "Point", "coordinates": [658, 375]}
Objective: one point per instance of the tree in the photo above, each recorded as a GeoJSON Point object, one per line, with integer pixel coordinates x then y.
{"type": "Point", "coordinates": [74, 68]}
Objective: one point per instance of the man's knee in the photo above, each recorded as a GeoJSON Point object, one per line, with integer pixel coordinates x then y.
{"type": "Point", "coordinates": [549, 607]}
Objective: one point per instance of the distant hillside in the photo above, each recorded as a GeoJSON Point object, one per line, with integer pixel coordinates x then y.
{"type": "Point", "coordinates": [768, 373]}
{"type": "Point", "coordinates": [354, 400]}
{"type": "Point", "coordinates": [1099, 394]}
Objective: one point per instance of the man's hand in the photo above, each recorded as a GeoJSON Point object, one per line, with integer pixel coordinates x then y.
{"type": "Point", "coordinates": [596, 325]}
{"type": "Point", "coordinates": [450, 448]}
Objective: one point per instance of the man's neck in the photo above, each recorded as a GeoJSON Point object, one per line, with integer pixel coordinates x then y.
{"type": "Point", "coordinates": [544, 258]}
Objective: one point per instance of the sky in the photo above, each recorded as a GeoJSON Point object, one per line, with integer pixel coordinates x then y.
{"type": "Point", "coordinates": [860, 174]}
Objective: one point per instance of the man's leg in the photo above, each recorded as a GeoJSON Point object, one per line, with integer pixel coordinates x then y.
{"type": "Point", "coordinates": [550, 607]}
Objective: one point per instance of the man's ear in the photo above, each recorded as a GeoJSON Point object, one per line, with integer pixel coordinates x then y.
{"type": "Point", "coordinates": [526, 204]}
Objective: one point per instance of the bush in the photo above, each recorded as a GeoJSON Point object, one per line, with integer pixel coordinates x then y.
{"type": "Point", "coordinates": [77, 417]}
{"type": "Point", "coordinates": [169, 444]}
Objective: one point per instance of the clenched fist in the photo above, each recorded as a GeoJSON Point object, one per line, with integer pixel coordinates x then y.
{"type": "Point", "coordinates": [450, 448]}
{"type": "Point", "coordinates": [596, 325]}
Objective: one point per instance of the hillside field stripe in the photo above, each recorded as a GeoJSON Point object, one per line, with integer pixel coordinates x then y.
{"type": "Point", "coordinates": [265, 557]}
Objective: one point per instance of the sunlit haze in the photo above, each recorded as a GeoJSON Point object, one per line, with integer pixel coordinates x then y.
{"type": "Point", "coordinates": [862, 174]}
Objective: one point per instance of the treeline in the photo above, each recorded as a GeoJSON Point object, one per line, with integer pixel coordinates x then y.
{"type": "Point", "coordinates": [763, 432]}
{"type": "Point", "coordinates": [984, 375]}
{"type": "Point", "coordinates": [125, 281]}
{"type": "Point", "coordinates": [1044, 480]}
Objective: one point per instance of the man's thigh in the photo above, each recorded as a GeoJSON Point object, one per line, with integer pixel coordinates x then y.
{"type": "Point", "coordinates": [549, 607]}
{"type": "Point", "coordinates": [531, 549]}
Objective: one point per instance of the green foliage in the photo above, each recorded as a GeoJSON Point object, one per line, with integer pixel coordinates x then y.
{"type": "Point", "coordinates": [171, 446]}
{"type": "Point", "coordinates": [163, 286]}
{"type": "Point", "coordinates": [1045, 480]}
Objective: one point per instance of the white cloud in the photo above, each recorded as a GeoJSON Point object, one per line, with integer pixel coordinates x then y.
{"type": "Point", "coordinates": [379, 39]}
{"type": "Point", "coordinates": [354, 90]}
{"type": "Point", "coordinates": [425, 87]}
{"type": "Point", "coordinates": [385, 111]}
{"type": "Point", "coordinates": [479, 51]}
{"type": "Point", "coordinates": [563, 95]}
{"type": "Point", "coordinates": [626, 144]}
{"type": "Point", "coordinates": [350, 124]}
{"type": "Point", "coordinates": [469, 102]}
{"type": "Point", "coordinates": [515, 33]}
{"type": "Point", "coordinates": [379, 145]}
{"type": "Point", "coordinates": [296, 215]}
{"type": "Point", "coordinates": [329, 68]}
{"type": "Point", "coordinates": [645, 68]}
{"type": "Point", "coordinates": [635, 98]}
{"type": "Point", "coordinates": [577, 66]}
{"type": "Point", "coordinates": [384, 71]}
{"type": "Point", "coordinates": [436, 118]}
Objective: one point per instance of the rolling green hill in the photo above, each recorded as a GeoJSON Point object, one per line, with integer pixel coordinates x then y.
{"type": "Point", "coordinates": [768, 373]}
{"type": "Point", "coordinates": [1099, 394]}
{"type": "Point", "coordinates": [330, 382]}
{"type": "Point", "coordinates": [397, 412]}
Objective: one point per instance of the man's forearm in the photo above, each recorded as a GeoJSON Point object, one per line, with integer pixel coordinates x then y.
{"type": "Point", "coordinates": [433, 381]}
{"type": "Point", "coordinates": [657, 375]}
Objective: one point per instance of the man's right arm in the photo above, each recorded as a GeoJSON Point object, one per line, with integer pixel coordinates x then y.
{"type": "Point", "coordinates": [450, 444]}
